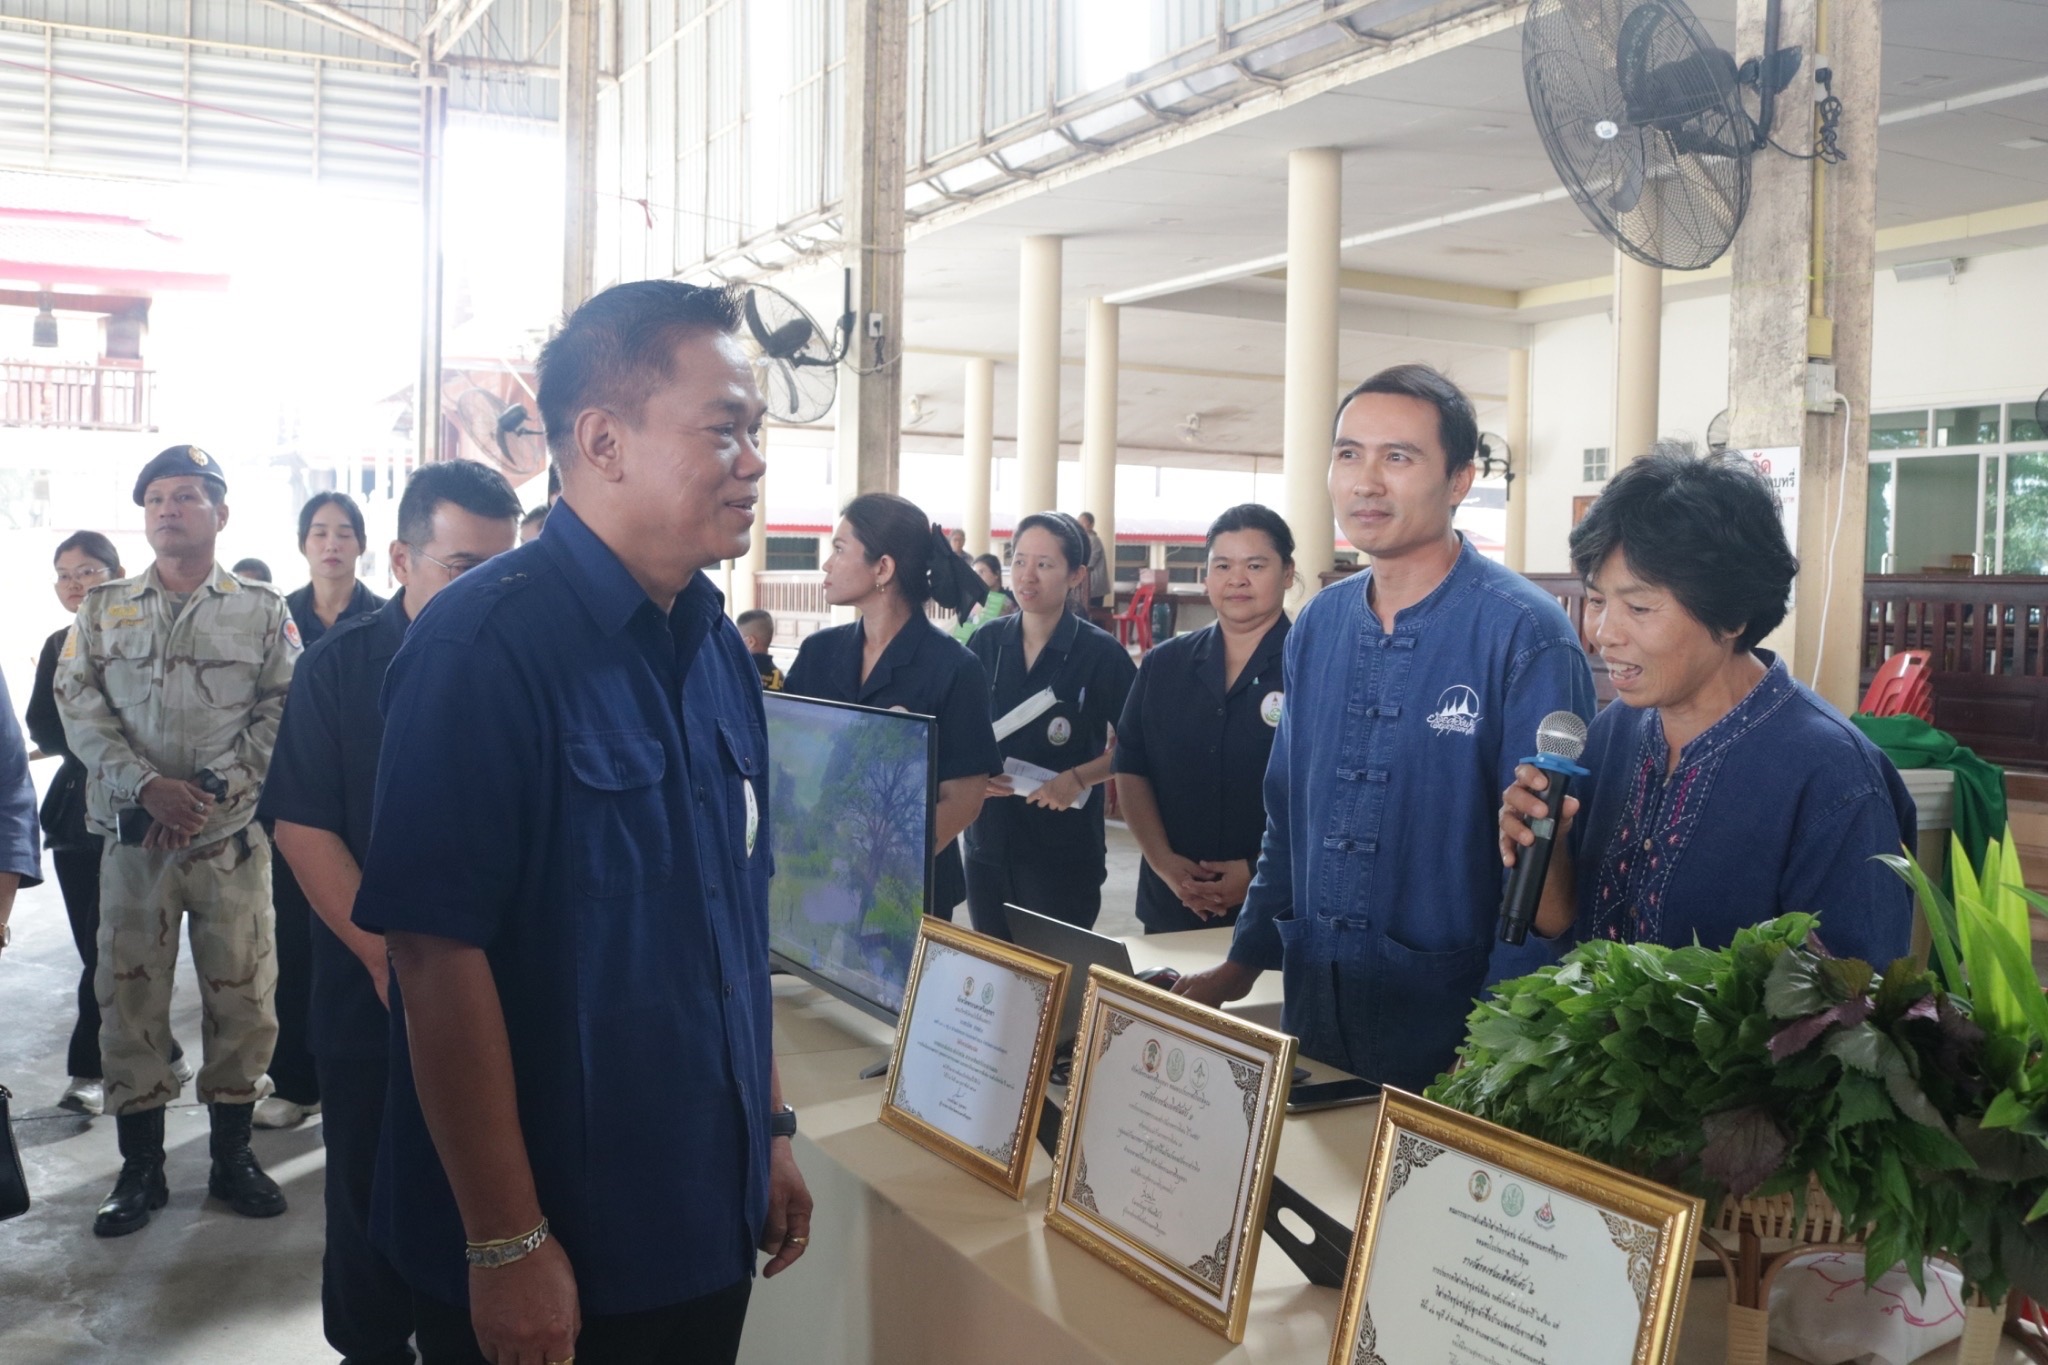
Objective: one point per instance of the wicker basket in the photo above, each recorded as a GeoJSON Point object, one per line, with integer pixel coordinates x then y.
{"type": "Point", "coordinates": [1751, 1272]}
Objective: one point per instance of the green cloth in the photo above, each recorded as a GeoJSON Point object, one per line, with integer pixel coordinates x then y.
{"type": "Point", "coordinates": [986, 612]}
{"type": "Point", "coordinates": [1910, 742]}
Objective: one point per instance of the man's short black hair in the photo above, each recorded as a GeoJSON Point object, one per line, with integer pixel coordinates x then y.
{"type": "Point", "coordinates": [475, 488]}
{"type": "Point", "coordinates": [325, 499]}
{"type": "Point", "coordinates": [615, 349]}
{"type": "Point", "coordinates": [1704, 528]}
{"type": "Point", "coordinates": [1253, 516]}
{"type": "Point", "coordinates": [535, 516]}
{"type": "Point", "coordinates": [754, 617]}
{"type": "Point", "coordinates": [252, 568]}
{"type": "Point", "coordinates": [1457, 429]}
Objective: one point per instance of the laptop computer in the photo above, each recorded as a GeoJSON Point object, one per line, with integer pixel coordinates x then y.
{"type": "Point", "coordinates": [1069, 943]}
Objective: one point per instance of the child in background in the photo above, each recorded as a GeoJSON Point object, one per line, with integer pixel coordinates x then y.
{"type": "Point", "coordinates": [757, 628]}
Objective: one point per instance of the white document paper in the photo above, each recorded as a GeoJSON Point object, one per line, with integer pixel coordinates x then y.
{"type": "Point", "coordinates": [1167, 1149]}
{"type": "Point", "coordinates": [1024, 712]}
{"type": "Point", "coordinates": [968, 1041]}
{"type": "Point", "coordinates": [1477, 1264]}
{"type": "Point", "coordinates": [1026, 778]}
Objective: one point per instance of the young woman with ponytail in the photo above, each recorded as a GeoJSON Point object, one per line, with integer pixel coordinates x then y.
{"type": "Point", "coordinates": [888, 559]}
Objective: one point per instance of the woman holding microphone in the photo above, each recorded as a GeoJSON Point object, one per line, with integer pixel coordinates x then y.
{"type": "Point", "coordinates": [1192, 746]}
{"type": "Point", "coordinates": [888, 559]}
{"type": "Point", "coordinates": [1056, 686]}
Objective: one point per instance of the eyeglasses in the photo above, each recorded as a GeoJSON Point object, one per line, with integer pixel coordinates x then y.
{"type": "Point", "coordinates": [90, 573]}
{"type": "Point", "coordinates": [452, 570]}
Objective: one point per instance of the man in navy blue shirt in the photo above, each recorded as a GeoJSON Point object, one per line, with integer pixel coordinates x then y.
{"type": "Point", "coordinates": [1411, 689]}
{"type": "Point", "coordinates": [585, 1140]}
{"type": "Point", "coordinates": [323, 777]}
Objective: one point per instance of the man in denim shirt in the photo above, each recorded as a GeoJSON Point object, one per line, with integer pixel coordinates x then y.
{"type": "Point", "coordinates": [1412, 689]}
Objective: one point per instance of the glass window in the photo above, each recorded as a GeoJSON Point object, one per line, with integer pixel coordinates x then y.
{"type": "Point", "coordinates": [792, 554]}
{"type": "Point", "coordinates": [1131, 558]}
{"type": "Point", "coordinates": [2023, 423]}
{"type": "Point", "coordinates": [1976, 426]}
{"type": "Point", "coordinates": [1593, 464]}
{"type": "Point", "coordinates": [1877, 540]}
{"type": "Point", "coordinates": [2026, 513]}
{"type": "Point", "coordinates": [1898, 430]}
{"type": "Point", "coordinates": [1184, 563]}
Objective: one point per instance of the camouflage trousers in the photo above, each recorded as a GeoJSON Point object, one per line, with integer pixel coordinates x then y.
{"type": "Point", "coordinates": [222, 890]}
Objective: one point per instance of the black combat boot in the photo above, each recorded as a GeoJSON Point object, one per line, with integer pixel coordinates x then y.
{"type": "Point", "coordinates": [236, 1177]}
{"type": "Point", "coordinates": [141, 1189]}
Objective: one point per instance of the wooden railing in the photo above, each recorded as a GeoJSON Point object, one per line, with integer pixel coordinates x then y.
{"type": "Point", "coordinates": [1987, 636]}
{"type": "Point", "coordinates": [77, 397]}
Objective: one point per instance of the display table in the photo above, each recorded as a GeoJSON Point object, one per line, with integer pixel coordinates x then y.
{"type": "Point", "coordinates": [914, 1260]}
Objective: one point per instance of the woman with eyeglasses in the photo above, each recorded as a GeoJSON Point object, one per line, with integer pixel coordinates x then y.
{"type": "Point", "coordinates": [84, 560]}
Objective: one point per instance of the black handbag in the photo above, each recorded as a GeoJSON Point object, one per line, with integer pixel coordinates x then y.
{"type": "Point", "coordinates": [13, 1181]}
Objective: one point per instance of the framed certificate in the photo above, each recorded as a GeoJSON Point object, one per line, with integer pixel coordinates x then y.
{"type": "Point", "coordinates": [1166, 1148]}
{"type": "Point", "coordinates": [967, 1077]}
{"type": "Point", "coordinates": [1500, 1247]}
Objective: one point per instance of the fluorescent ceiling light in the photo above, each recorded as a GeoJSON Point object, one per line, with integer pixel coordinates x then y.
{"type": "Point", "coordinates": [1943, 268]}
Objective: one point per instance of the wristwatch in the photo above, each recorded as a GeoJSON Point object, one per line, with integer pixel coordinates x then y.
{"type": "Point", "coordinates": [782, 1123]}
{"type": "Point", "coordinates": [212, 783]}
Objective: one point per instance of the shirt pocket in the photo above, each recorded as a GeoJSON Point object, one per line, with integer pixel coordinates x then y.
{"type": "Point", "coordinates": [742, 750]}
{"type": "Point", "coordinates": [225, 666]}
{"type": "Point", "coordinates": [130, 669]}
{"type": "Point", "coordinates": [618, 821]}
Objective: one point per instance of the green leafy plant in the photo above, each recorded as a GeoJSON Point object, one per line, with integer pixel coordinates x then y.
{"type": "Point", "coordinates": [1916, 1100]}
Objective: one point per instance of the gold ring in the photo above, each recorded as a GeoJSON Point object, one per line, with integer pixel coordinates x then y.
{"type": "Point", "coordinates": [798, 1241]}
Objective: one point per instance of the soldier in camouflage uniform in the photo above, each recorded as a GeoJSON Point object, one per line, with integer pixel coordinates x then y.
{"type": "Point", "coordinates": [171, 686]}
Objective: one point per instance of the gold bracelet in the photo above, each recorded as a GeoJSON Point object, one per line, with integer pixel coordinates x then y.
{"type": "Point", "coordinates": [505, 1250]}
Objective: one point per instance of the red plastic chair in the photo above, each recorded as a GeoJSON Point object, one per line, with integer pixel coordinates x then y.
{"type": "Point", "coordinates": [1137, 618]}
{"type": "Point", "coordinates": [1904, 686]}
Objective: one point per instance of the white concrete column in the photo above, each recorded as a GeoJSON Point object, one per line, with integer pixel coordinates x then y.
{"type": "Point", "coordinates": [1519, 482]}
{"type": "Point", "coordinates": [1038, 375]}
{"type": "Point", "coordinates": [1098, 425]}
{"type": "Point", "coordinates": [1801, 294]}
{"type": "Point", "coordinates": [978, 452]}
{"type": "Point", "coordinates": [870, 412]}
{"type": "Point", "coordinates": [1314, 194]}
{"type": "Point", "coordinates": [745, 593]}
{"type": "Point", "coordinates": [579, 149]}
{"type": "Point", "coordinates": [1638, 356]}
{"type": "Point", "coordinates": [427, 424]}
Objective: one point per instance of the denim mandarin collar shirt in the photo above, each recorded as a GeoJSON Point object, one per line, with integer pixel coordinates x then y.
{"type": "Point", "coordinates": [1379, 880]}
{"type": "Point", "coordinates": [1781, 805]}
{"type": "Point", "coordinates": [575, 782]}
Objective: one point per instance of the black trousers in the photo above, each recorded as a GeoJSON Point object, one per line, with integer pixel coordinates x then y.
{"type": "Point", "coordinates": [78, 877]}
{"type": "Point", "coordinates": [291, 1063]}
{"type": "Point", "coordinates": [1067, 889]}
{"type": "Point", "coordinates": [365, 1308]}
{"type": "Point", "coordinates": [703, 1331]}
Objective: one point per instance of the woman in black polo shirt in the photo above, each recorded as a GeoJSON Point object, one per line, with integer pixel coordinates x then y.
{"type": "Point", "coordinates": [1195, 735]}
{"type": "Point", "coordinates": [888, 559]}
{"type": "Point", "coordinates": [1056, 686]}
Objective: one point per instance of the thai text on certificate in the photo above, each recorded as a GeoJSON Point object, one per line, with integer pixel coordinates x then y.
{"type": "Point", "coordinates": [966, 1058]}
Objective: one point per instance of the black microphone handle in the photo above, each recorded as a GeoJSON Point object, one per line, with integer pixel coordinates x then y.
{"type": "Point", "coordinates": [1532, 864]}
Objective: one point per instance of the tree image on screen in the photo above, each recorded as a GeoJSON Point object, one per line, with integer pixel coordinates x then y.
{"type": "Point", "coordinates": [848, 810]}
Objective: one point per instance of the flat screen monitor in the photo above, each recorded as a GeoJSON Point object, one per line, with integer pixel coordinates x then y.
{"type": "Point", "coordinates": [852, 791]}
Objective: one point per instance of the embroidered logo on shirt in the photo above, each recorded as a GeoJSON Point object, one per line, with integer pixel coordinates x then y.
{"type": "Point", "coordinates": [1269, 709]}
{"type": "Point", "coordinates": [1457, 711]}
{"type": "Point", "coordinates": [291, 632]}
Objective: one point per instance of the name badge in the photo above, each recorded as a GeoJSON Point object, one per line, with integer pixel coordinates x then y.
{"type": "Point", "coordinates": [1059, 730]}
{"type": "Point", "coordinates": [753, 814]}
{"type": "Point", "coordinates": [1269, 709]}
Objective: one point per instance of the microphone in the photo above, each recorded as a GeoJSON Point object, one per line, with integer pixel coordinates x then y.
{"type": "Point", "coordinates": [1560, 739]}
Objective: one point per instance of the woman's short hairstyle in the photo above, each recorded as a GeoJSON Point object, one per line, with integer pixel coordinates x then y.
{"type": "Point", "coordinates": [1704, 528]}
{"type": "Point", "coordinates": [1253, 516]}
{"type": "Point", "coordinates": [927, 569]}
{"type": "Point", "coordinates": [342, 500]}
{"type": "Point", "coordinates": [94, 544]}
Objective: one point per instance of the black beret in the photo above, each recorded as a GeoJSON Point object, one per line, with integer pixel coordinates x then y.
{"type": "Point", "coordinates": [179, 461]}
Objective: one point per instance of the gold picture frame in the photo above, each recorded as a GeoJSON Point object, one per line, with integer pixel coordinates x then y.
{"type": "Point", "coordinates": [1255, 1068]}
{"type": "Point", "coordinates": [1650, 1228]}
{"type": "Point", "coordinates": [1007, 1165]}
